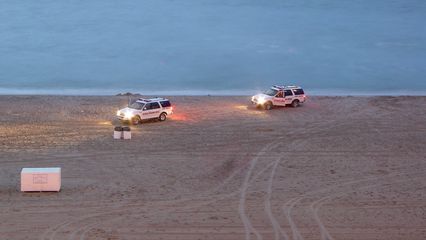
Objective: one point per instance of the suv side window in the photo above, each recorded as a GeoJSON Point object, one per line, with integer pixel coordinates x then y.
{"type": "Point", "coordinates": [155, 105]}
{"type": "Point", "coordinates": [298, 91]}
{"type": "Point", "coordinates": [165, 104]}
{"type": "Point", "coordinates": [288, 93]}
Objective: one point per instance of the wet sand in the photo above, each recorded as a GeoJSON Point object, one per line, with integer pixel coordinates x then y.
{"type": "Point", "coordinates": [334, 168]}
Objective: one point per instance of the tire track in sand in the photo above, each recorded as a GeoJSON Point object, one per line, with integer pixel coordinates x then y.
{"type": "Point", "coordinates": [316, 205]}
{"type": "Point", "coordinates": [275, 225]}
{"type": "Point", "coordinates": [290, 204]}
{"type": "Point", "coordinates": [246, 221]}
{"type": "Point", "coordinates": [248, 227]}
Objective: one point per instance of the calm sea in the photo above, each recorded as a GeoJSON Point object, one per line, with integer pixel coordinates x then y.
{"type": "Point", "coordinates": [212, 46]}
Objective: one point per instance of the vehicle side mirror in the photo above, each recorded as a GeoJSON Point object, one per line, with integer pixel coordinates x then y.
{"type": "Point", "coordinates": [145, 108]}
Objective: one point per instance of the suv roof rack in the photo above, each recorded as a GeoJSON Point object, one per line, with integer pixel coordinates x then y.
{"type": "Point", "coordinates": [277, 86]}
{"type": "Point", "coordinates": [282, 87]}
{"type": "Point", "coordinates": [151, 99]}
{"type": "Point", "coordinates": [157, 98]}
{"type": "Point", "coordinates": [285, 87]}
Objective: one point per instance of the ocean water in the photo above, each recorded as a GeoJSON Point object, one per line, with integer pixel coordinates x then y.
{"type": "Point", "coordinates": [212, 46]}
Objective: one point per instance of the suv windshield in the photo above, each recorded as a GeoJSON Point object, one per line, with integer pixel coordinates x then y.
{"type": "Point", "coordinates": [271, 92]}
{"type": "Point", "coordinates": [136, 105]}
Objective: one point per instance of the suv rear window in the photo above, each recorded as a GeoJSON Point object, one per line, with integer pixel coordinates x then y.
{"type": "Point", "coordinates": [165, 104]}
{"type": "Point", "coordinates": [298, 91]}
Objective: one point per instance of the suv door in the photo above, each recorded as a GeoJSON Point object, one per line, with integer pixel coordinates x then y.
{"type": "Point", "coordinates": [279, 99]}
{"type": "Point", "coordinates": [288, 95]}
{"type": "Point", "coordinates": [151, 110]}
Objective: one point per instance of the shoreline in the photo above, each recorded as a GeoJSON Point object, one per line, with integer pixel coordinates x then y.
{"type": "Point", "coordinates": [224, 93]}
{"type": "Point", "coordinates": [207, 95]}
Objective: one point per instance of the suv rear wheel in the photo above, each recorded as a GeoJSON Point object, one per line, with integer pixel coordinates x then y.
{"type": "Point", "coordinates": [163, 117]}
{"type": "Point", "coordinates": [295, 103]}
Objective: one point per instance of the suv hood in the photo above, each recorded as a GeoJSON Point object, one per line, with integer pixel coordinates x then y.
{"type": "Point", "coordinates": [127, 109]}
{"type": "Point", "coordinates": [261, 97]}
{"type": "Point", "coordinates": [127, 113]}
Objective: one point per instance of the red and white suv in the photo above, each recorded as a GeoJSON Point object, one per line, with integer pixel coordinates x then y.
{"type": "Point", "coordinates": [280, 96]}
{"type": "Point", "coordinates": [142, 109]}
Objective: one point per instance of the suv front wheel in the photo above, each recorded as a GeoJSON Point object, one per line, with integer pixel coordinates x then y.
{"type": "Point", "coordinates": [268, 106]}
{"type": "Point", "coordinates": [136, 120]}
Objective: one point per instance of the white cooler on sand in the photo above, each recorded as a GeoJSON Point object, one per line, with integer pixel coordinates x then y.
{"type": "Point", "coordinates": [41, 179]}
{"type": "Point", "coordinates": [127, 134]}
{"type": "Point", "coordinates": [118, 132]}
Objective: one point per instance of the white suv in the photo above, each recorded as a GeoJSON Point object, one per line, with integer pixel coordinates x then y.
{"type": "Point", "coordinates": [280, 96]}
{"type": "Point", "coordinates": [142, 109]}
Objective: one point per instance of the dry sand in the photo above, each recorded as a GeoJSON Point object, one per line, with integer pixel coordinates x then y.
{"type": "Point", "coordinates": [335, 168]}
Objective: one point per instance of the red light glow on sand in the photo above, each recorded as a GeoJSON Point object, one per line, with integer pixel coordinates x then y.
{"type": "Point", "coordinates": [179, 117]}
{"type": "Point", "coordinates": [252, 111]}
{"type": "Point", "coordinates": [104, 123]}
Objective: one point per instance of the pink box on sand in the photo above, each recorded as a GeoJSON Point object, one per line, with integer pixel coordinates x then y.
{"type": "Point", "coordinates": [41, 179]}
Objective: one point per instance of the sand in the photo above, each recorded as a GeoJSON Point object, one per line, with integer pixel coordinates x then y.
{"type": "Point", "coordinates": [334, 168]}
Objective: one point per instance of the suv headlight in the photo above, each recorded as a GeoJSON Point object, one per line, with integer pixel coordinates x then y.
{"type": "Point", "coordinates": [128, 115]}
{"type": "Point", "coordinates": [118, 112]}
